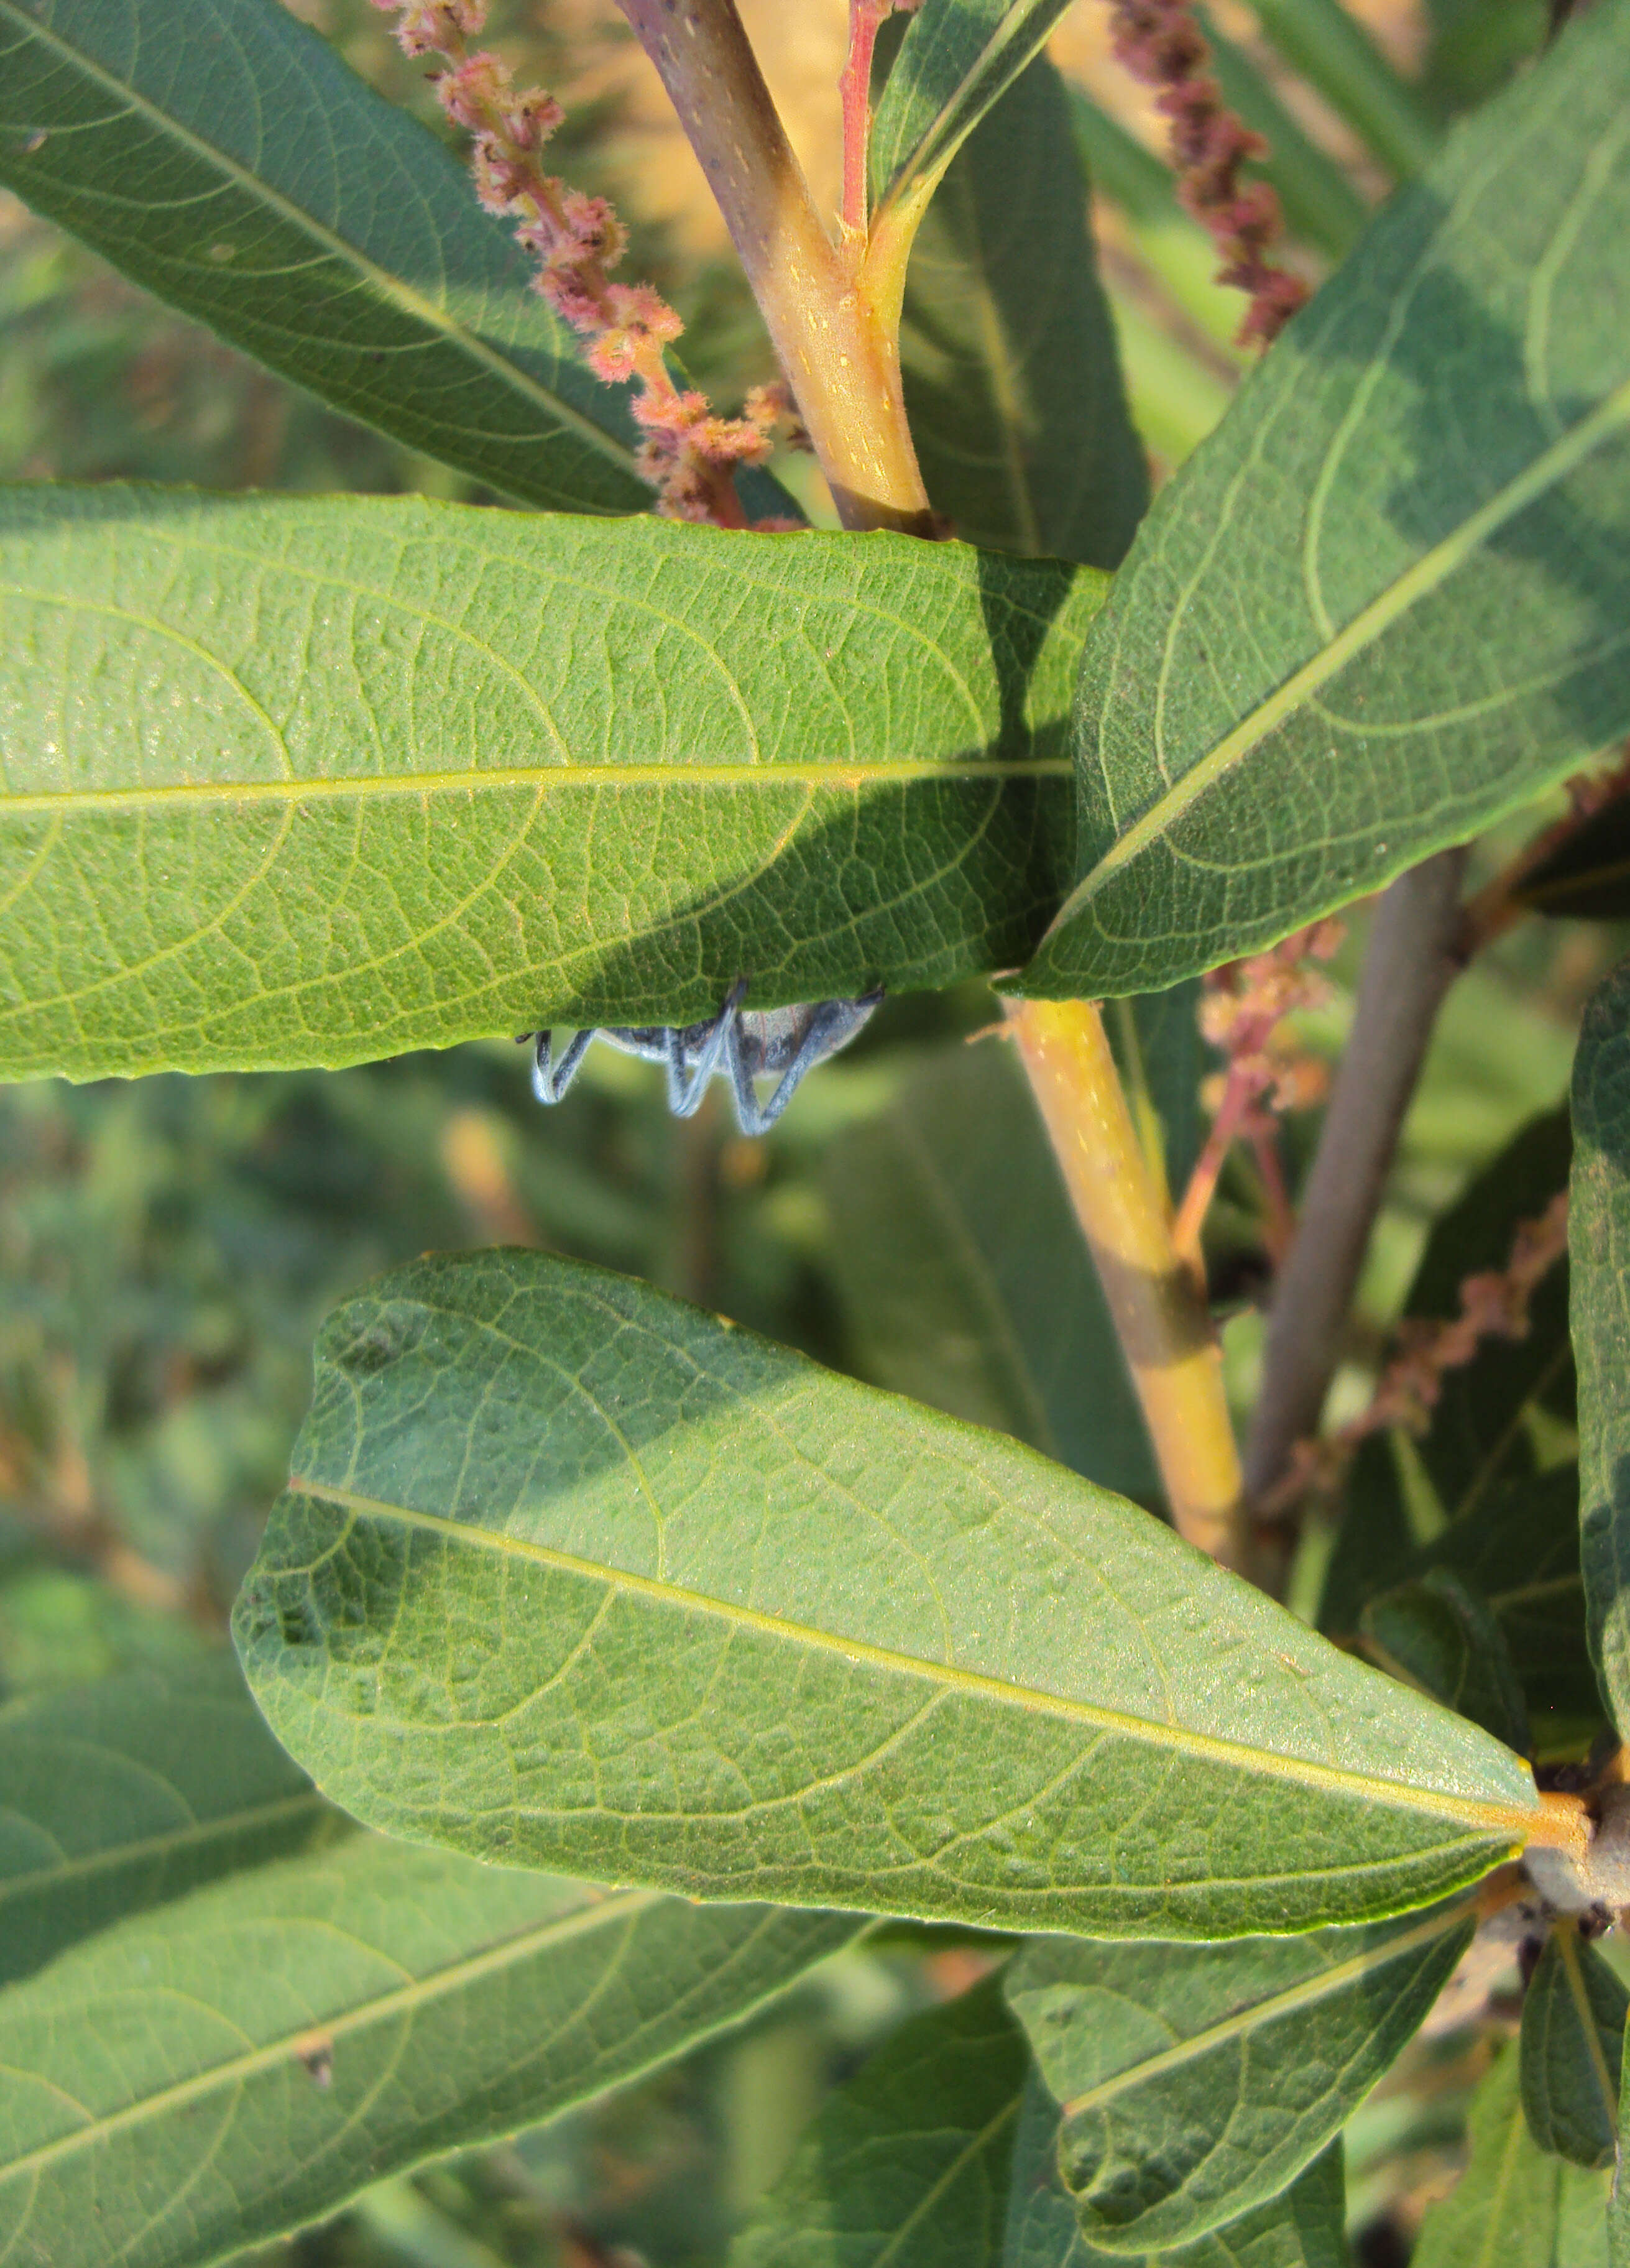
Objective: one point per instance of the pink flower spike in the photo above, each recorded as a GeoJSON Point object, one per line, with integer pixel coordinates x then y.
{"type": "Point", "coordinates": [475, 92]}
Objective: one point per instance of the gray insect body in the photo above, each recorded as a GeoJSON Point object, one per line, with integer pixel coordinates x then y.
{"type": "Point", "coordinates": [741, 1044]}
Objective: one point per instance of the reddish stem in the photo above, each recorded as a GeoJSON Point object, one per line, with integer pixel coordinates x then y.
{"type": "Point", "coordinates": [855, 89]}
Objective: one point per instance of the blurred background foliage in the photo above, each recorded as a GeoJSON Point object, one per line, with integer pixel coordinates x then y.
{"type": "Point", "coordinates": [168, 1247]}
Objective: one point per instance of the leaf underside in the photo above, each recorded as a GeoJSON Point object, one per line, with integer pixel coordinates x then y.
{"type": "Point", "coordinates": [1598, 1239]}
{"type": "Point", "coordinates": [571, 1575]}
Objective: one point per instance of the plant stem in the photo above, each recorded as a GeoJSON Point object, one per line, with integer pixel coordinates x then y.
{"type": "Point", "coordinates": [1410, 965]}
{"type": "Point", "coordinates": [854, 94]}
{"type": "Point", "coordinates": [1162, 1323]}
{"type": "Point", "coordinates": [840, 360]}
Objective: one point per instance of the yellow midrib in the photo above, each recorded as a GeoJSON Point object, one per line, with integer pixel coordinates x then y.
{"type": "Point", "coordinates": [1493, 1819]}
{"type": "Point", "coordinates": [1416, 582]}
{"type": "Point", "coordinates": [850, 776]}
{"type": "Point", "coordinates": [1252, 2018]}
{"type": "Point", "coordinates": [400, 2000]}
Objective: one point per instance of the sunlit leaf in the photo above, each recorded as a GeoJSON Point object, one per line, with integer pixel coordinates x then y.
{"type": "Point", "coordinates": [1302, 2228]}
{"type": "Point", "coordinates": [1196, 2083]}
{"type": "Point", "coordinates": [311, 780]}
{"type": "Point", "coordinates": [119, 1795]}
{"type": "Point", "coordinates": [221, 154]}
{"type": "Point", "coordinates": [1297, 689]}
{"type": "Point", "coordinates": [247, 2058]}
{"type": "Point", "coordinates": [572, 1575]}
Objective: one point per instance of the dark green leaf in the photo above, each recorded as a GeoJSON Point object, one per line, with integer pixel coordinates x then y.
{"type": "Point", "coordinates": [119, 1795]}
{"type": "Point", "coordinates": [1197, 2082]}
{"type": "Point", "coordinates": [308, 781]}
{"type": "Point", "coordinates": [1481, 1448]}
{"type": "Point", "coordinates": [1294, 691]}
{"type": "Point", "coordinates": [1325, 43]}
{"type": "Point", "coordinates": [1440, 1636]}
{"type": "Point", "coordinates": [247, 2058]}
{"type": "Point", "coordinates": [1598, 1242]}
{"type": "Point", "coordinates": [966, 1283]}
{"type": "Point", "coordinates": [1572, 2049]}
{"type": "Point", "coordinates": [908, 2164]}
{"type": "Point", "coordinates": [1514, 2206]}
{"type": "Point", "coordinates": [957, 60]}
{"type": "Point", "coordinates": [1011, 380]}
{"type": "Point", "coordinates": [1587, 877]}
{"type": "Point", "coordinates": [571, 1574]}
{"type": "Point", "coordinates": [1476, 44]}
{"type": "Point", "coordinates": [1302, 2228]}
{"type": "Point", "coordinates": [222, 155]}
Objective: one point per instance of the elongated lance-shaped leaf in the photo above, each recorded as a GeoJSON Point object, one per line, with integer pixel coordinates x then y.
{"type": "Point", "coordinates": [1515, 2206]}
{"type": "Point", "coordinates": [572, 1575]}
{"type": "Point", "coordinates": [1572, 2049]}
{"type": "Point", "coordinates": [1008, 349]}
{"type": "Point", "coordinates": [957, 60]}
{"type": "Point", "coordinates": [908, 2165]}
{"type": "Point", "coordinates": [307, 781]}
{"type": "Point", "coordinates": [221, 154]}
{"type": "Point", "coordinates": [1598, 1239]}
{"type": "Point", "coordinates": [246, 2058]}
{"type": "Point", "coordinates": [119, 1795]}
{"type": "Point", "coordinates": [1302, 2228]}
{"type": "Point", "coordinates": [1293, 692]}
{"type": "Point", "coordinates": [963, 1283]}
{"type": "Point", "coordinates": [1195, 2084]}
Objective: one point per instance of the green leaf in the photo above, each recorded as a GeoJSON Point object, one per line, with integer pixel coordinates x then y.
{"type": "Point", "coordinates": [221, 154]}
{"type": "Point", "coordinates": [1292, 693]}
{"type": "Point", "coordinates": [1514, 2206]}
{"type": "Point", "coordinates": [122, 1794]}
{"type": "Point", "coordinates": [1572, 2049]}
{"type": "Point", "coordinates": [246, 2058]}
{"type": "Point", "coordinates": [1482, 1446]}
{"type": "Point", "coordinates": [1197, 2082]}
{"type": "Point", "coordinates": [1302, 2228]}
{"type": "Point", "coordinates": [1440, 1636]}
{"type": "Point", "coordinates": [1333, 51]}
{"type": "Point", "coordinates": [1598, 1243]}
{"type": "Point", "coordinates": [908, 2164]}
{"type": "Point", "coordinates": [1476, 44]}
{"type": "Point", "coordinates": [1012, 384]}
{"type": "Point", "coordinates": [1587, 877]}
{"type": "Point", "coordinates": [570, 1574]}
{"type": "Point", "coordinates": [1519, 1557]}
{"type": "Point", "coordinates": [964, 1282]}
{"type": "Point", "coordinates": [956, 61]}
{"type": "Point", "coordinates": [308, 781]}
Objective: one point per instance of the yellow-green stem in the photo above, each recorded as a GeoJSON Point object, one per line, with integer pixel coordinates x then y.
{"type": "Point", "coordinates": [841, 359]}
{"type": "Point", "coordinates": [1162, 1323]}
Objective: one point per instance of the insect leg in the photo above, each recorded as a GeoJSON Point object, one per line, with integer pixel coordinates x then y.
{"type": "Point", "coordinates": [687, 1081]}
{"type": "Point", "coordinates": [832, 1023]}
{"type": "Point", "coordinates": [550, 1080]}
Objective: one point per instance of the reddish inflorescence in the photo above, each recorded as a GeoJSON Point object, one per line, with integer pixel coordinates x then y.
{"type": "Point", "coordinates": [688, 454]}
{"type": "Point", "coordinates": [1159, 42]}
{"type": "Point", "coordinates": [1494, 1305]}
{"type": "Point", "coordinates": [1241, 1013]}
